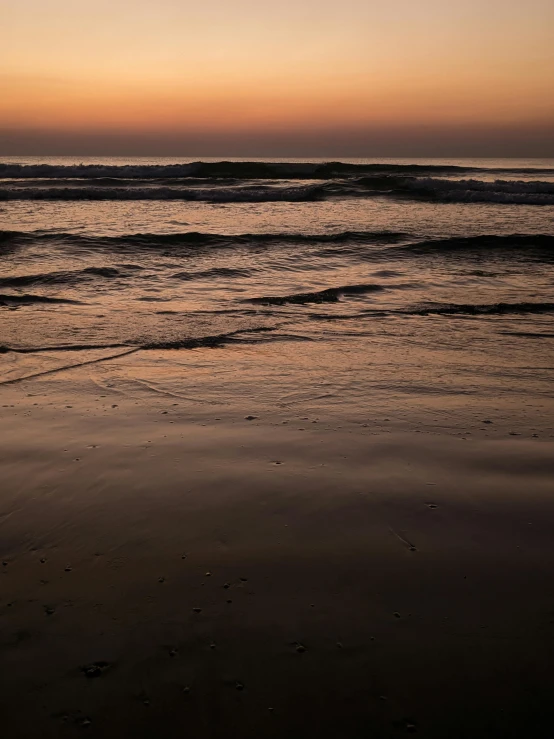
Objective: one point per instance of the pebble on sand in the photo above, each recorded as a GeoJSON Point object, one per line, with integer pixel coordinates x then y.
{"type": "Point", "coordinates": [250, 418]}
{"type": "Point", "coordinates": [95, 669]}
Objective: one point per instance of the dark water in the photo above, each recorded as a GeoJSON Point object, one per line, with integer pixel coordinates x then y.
{"type": "Point", "coordinates": [319, 259]}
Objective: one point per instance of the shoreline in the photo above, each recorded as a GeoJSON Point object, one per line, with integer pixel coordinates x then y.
{"type": "Point", "coordinates": [381, 582]}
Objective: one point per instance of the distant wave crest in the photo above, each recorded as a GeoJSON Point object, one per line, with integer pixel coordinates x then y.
{"type": "Point", "coordinates": [216, 170]}
{"type": "Point", "coordinates": [434, 189]}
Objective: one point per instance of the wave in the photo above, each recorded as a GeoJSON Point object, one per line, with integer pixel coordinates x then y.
{"type": "Point", "coordinates": [258, 194]}
{"type": "Point", "coordinates": [60, 278]}
{"type": "Point", "coordinates": [255, 335]}
{"type": "Point", "coordinates": [7, 300]}
{"type": "Point", "coordinates": [479, 309]}
{"type": "Point", "coordinates": [195, 239]}
{"type": "Point", "coordinates": [329, 295]}
{"type": "Point", "coordinates": [449, 309]}
{"type": "Point", "coordinates": [522, 192]}
{"type": "Point", "coordinates": [542, 244]}
{"type": "Point", "coordinates": [434, 189]}
{"type": "Point", "coordinates": [223, 169]}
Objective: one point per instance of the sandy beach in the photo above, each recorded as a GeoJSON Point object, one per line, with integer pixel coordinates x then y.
{"type": "Point", "coordinates": [172, 568]}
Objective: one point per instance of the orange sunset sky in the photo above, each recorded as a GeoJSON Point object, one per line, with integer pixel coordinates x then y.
{"type": "Point", "coordinates": [294, 77]}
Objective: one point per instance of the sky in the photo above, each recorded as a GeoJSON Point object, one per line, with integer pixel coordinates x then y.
{"type": "Point", "coordinates": [287, 78]}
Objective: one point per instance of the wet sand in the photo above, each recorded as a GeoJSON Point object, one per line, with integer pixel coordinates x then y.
{"type": "Point", "coordinates": [168, 573]}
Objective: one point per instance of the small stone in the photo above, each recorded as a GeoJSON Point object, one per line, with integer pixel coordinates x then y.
{"type": "Point", "coordinates": [212, 645]}
{"type": "Point", "coordinates": [172, 652]}
{"type": "Point", "coordinates": [183, 556]}
{"type": "Point", "coordinates": [186, 690]}
{"type": "Point", "coordinates": [244, 579]}
{"type": "Point", "coordinates": [96, 669]}
{"type": "Point", "coordinates": [5, 564]}
{"type": "Point", "coordinates": [432, 506]}
{"type": "Point", "coordinates": [68, 569]}
{"type": "Point", "coordinates": [487, 421]}
{"type": "Point", "coordinates": [239, 686]}
{"type": "Point", "coordinates": [227, 585]}
{"type": "Point", "coordinates": [47, 609]}
{"type": "Point", "coordinates": [250, 418]}
{"type": "Point", "coordinates": [42, 560]}
{"type": "Point", "coordinates": [396, 614]}
{"type": "Point", "coordinates": [270, 709]}
{"type": "Point", "coordinates": [300, 648]}
{"type": "Point", "coordinates": [84, 722]}
{"type": "Point", "coordinates": [208, 574]}
{"type": "Point", "coordinates": [161, 579]}
{"type": "Point", "coordinates": [412, 728]}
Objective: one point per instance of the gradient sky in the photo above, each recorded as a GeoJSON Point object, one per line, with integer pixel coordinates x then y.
{"type": "Point", "coordinates": [293, 77]}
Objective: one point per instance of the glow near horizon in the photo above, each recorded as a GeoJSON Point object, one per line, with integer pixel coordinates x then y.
{"type": "Point", "coordinates": [239, 67]}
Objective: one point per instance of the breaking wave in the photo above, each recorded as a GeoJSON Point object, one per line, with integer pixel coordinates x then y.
{"type": "Point", "coordinates": [258, 194]}
{"type": "Point", "coordinates": [217, 170]}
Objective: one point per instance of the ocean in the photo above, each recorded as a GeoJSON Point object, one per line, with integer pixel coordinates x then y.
{"type": "Point", "coordinates": [276, 448]}
{"type": "Point", "coordinates": [326, 285]}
